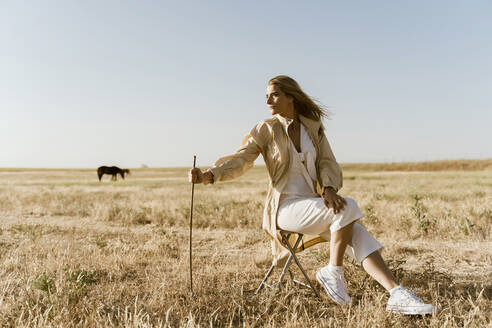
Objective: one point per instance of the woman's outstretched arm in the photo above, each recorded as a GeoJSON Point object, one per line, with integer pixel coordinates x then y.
{"type": "Point", "coordinates": [235, 165]}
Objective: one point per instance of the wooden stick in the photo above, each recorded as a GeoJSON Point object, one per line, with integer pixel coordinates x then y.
{"type": "Point", "coordinates": [191, 227]}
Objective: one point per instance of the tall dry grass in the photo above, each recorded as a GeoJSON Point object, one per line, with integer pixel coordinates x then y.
{"type": "Point", "coordinates": [78, 253]}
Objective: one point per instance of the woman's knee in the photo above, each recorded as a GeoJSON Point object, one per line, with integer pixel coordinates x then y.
{"type": "Point", "coordinates": [363, 243]}
{"type": "Point", "coordinates": [351, 204]}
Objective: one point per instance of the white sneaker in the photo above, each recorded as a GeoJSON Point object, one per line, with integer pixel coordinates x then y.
{"type": "Point", "coordinates": [404, 301]}
{"type": "Point", "coordinates": [334, 285]}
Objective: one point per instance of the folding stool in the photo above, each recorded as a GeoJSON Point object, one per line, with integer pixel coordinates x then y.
{"type": "Point", "coordinates": [285, 238]}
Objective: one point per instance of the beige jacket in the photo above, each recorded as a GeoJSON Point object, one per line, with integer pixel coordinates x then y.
{"type": "Point", "coordinates": [269, 138]}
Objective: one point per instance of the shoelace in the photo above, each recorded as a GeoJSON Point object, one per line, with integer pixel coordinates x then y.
{"type": "Point", "coordinates": [341, 279]}
{"type": "Point", "coordinates": [409, 297]}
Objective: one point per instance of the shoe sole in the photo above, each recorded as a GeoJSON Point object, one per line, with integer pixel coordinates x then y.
{"type": "Point", "coordinates": [409, 311]}
{"type": "Point", "coordinates": [331, 293]}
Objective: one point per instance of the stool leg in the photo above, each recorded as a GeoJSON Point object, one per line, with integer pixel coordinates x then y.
{"type": "Point", "coordinates": [291, 275]}
{"type": "Point", "coordinates": [284, 270]}
{"type": "Point", "coordinates": [292, 253]}
{"type": "Point", "coordinates": [285, 238]}
{"type": "Point", "coordinates": [265, 279]}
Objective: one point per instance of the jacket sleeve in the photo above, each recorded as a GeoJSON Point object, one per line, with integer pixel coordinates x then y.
{"type": "Point", "coordinates": [235, 165]}
{"type": "Point", "coordinates": [330, 173]}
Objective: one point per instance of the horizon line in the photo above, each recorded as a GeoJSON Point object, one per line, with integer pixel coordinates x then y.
{"type": "Point", "coordinates": [258, 165]}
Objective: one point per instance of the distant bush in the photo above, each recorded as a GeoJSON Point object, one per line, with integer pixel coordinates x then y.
{"type": "Point", "coordinates": [420, 212]}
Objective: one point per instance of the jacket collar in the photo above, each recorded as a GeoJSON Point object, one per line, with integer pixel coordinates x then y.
{"type": "Point", "coordinates": [310, 125]}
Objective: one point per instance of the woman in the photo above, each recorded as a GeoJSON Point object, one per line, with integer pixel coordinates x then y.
{"type": "Point", "coordinates": [299, 160]}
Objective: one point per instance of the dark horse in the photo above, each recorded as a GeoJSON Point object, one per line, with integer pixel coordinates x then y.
{"type": "Point", "coordinates": [113, 170]}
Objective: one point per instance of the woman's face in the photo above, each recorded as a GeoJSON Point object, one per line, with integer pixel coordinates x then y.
{"type": "Point", "coordinates": [279, 102]}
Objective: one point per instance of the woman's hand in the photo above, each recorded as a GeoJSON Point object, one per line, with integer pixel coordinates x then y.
{"type": "Point", "coordinates": [197, 176]}
{"type": "Point", "coordinates": [332, 200]}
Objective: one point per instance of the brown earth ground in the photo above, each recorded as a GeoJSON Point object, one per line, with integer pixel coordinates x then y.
{"type": "Point", "coordinates": [78, 253]}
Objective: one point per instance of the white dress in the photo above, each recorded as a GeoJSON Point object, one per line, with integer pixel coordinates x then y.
{"type": "Point", "coordinates": [302, 210]}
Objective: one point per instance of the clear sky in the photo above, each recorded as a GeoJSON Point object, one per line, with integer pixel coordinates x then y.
{"type": "Point", "coordinates": [89, 83]}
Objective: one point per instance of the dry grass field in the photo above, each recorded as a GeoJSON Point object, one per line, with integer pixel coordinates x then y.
{"type": "Point", "coordinates": [75, 252]}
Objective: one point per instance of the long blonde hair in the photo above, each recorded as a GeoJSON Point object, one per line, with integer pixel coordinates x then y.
{"type": "Point", "coordinates": [303, 104]}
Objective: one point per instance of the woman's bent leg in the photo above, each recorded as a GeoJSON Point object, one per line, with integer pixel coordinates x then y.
{"type": "Point", "coordinates": [365, 249]}
{"type": "Point", "coordinates": [310, 216]}
{"type": "Point", "coordinates": [338, 244]}
{"type": "Point", "coordinates": [376, 268]}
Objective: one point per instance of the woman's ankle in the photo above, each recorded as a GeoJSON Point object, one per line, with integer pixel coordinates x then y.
{"type": "Point", "coordinates": [336, 262]}
{"type": "Point", "coordinates": [335, 268]}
